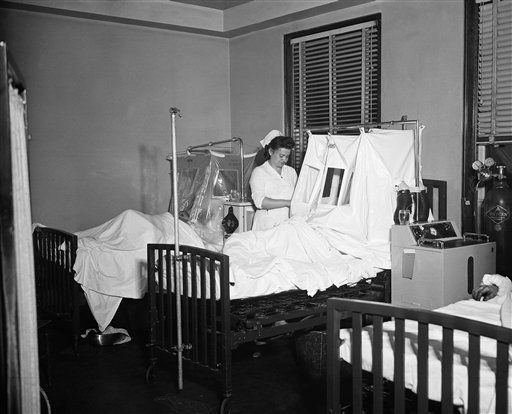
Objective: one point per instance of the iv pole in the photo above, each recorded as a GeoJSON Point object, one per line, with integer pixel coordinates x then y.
{"type": "Point", "coordinates": [178, 257]}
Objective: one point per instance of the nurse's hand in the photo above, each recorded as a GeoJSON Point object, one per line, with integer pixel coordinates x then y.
{"type": "Point", "coordinates": [485, 292]}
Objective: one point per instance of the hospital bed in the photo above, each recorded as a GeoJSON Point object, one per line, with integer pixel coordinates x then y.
{"type": "Point", "coordinates": [212, 329]}
{"type": "Point", "coordinates": [99, 266]}
{"type": "Point", "coordinates": [420, 361]}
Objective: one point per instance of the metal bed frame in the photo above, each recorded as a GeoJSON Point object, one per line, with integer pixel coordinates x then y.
{"type": "Point", "coordinates": [58, 296]}
{"type": "Point", "coordinates": [374, 394]}
{"type": "Point", "coordinates": [211, 329]}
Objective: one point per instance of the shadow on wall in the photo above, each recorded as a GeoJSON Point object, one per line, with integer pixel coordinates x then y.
{"type": "Point", "coordinates": [149, 157]}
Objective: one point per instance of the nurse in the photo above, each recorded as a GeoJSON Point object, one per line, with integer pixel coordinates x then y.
{"type": "Point", "coordinates": [273, 182]}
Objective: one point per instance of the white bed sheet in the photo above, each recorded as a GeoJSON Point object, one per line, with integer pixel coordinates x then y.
{"type": "Point", "coordinates": [293, 255]}
{"type": "Point", "coordinates": [488, 312]}
{"type": "Point", "coordinates": [111, 258]}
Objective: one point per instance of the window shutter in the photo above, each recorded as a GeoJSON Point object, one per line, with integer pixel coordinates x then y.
{"type": "Point", "coordinates": [494, 109]}
{"type": "Point", "coordinates": [356, 69]}
{"type": "Point", "coordinates": [335, 81]}
{"type": "Point", "coordinates": [311, 90]}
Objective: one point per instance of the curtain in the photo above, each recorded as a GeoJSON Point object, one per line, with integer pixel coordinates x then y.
{"type": "Point", "coordinates": [24, 258]}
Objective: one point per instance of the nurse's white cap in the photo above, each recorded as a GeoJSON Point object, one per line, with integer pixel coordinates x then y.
{"type": "Point", "coordinates": [269, 137]}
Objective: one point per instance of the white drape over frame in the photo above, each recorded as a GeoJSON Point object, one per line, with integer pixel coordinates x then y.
{"type": "Point", "coordinates": [339, 232]}
{"type": "Point", "coordinates": [358, 221]}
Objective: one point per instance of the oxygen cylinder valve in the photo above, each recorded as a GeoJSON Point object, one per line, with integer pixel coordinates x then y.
{"type": "Point", "coordinates": [484, 169]}
{"type": "Point", "coordinates": [501, 172]}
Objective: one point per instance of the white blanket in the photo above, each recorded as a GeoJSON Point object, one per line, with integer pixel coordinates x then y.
{"type": "Point", "coordinates": [482, 311]}
{"type": "Point", "coordinates": [293, 255]}
{"type": "Point", "coordinates": [111, 258]}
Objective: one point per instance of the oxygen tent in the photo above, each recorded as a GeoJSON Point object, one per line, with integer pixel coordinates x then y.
{"type": "Point", "coordinates": [206, 179]}
{"type": "Point", "coordinates": [342, 212]}
{"type": "Point", "coordinates": [347, 187]}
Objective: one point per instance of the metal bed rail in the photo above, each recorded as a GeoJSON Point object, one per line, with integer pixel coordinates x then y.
{"type": "Point", "coordinates": [57, 293]}
{"type": "Point", "coordinates": [204, 304]}
{"type": "Point", "coordinates": [359, 311]}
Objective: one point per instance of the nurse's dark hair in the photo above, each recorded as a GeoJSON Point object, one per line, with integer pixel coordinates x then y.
{"type": "Point", "coordinates": [279, 142]}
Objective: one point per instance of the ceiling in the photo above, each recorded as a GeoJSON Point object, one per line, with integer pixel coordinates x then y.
{"type": "Point", "coordinates": [214, 4]}
{"type": "Point", "coordinates": [219, 18]}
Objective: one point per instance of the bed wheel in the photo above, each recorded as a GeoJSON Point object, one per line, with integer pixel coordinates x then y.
{"type": "Point", "coordinates": [150, 375]}
{"type": "Point", "coordinates": [225, 407]}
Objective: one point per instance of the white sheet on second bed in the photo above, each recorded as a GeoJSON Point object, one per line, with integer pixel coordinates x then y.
{"type": "Point", "coordinates": [482, 311]}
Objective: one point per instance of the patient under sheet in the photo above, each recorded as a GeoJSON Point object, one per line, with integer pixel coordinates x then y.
{"type": "Point", "coordinates": [289, 256]}
{"type": "Point", "coordinates": [342, 211]}
{"type": "Point", "coordinates": [489, 312]}
{"type": "Point", "coordinates": [111, 258]}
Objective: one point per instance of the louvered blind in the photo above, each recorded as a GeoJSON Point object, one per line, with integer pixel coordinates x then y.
{"type": "Point", "coordinates": [335, 81]}
{"type": "Point", "coordinates": [494, 117]}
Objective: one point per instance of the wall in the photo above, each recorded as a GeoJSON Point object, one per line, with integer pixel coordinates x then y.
{"type": "Point", "coordinates": [422, 77]}
{"type": "Point", "coordinates": [99, 95]}
{"type": "Point", "coordinates": [98, 101]}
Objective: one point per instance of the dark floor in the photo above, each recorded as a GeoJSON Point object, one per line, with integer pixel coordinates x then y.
{"type": "Point", "coordinates": [268, 378]}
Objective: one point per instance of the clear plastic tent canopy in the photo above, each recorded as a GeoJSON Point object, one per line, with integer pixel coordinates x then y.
{"type": "Point", "coordinates": [206, 179]}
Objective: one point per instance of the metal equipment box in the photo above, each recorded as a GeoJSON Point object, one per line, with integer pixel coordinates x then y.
{"type": "Point", "coordinates": [432, 265]}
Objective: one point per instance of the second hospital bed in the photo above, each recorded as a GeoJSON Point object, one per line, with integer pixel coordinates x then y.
{"type": "Point", "coordinates": [397, 360]}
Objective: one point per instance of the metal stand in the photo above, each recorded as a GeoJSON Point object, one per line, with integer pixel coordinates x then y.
{"type": "Point", "coordinates": [177, 253]}
{"type": "Point", "coordinates": [403, 123]}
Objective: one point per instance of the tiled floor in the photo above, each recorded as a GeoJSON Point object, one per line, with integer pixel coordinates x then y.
{"type": "Point", "coordinates": [112, 380]}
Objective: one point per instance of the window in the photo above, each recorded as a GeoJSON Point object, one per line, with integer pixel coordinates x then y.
{"type": "Point", "coordinates": [336, 191]}
{"type": "Point", "coordinates": [487, 97]}
{"type": "Point", "coordinates": [333, 79]}
{"type": "Point", "coordinates": [332, 186]}
{"type": "Point", "coordinates": [494, 105]}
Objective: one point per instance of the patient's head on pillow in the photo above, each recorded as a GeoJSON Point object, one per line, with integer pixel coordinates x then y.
{"type": "Point", "coordinates": [277, 143]}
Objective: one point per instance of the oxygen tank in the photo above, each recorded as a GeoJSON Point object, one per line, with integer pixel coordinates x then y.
{"type": "Point", "coordinates": [497, 221]}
